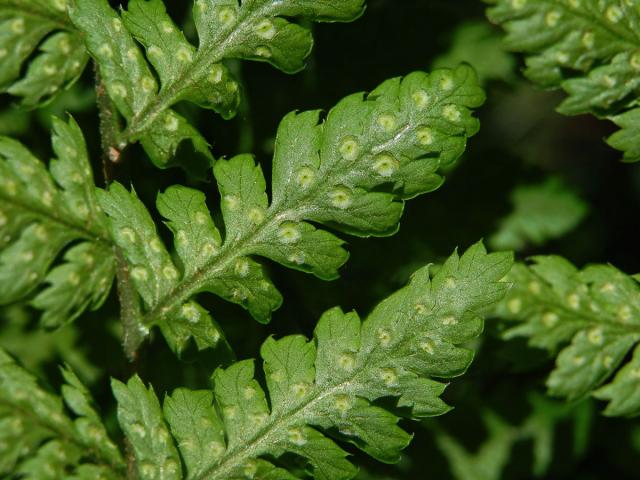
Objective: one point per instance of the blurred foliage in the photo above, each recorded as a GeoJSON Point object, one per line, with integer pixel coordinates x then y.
{"type": "Point", "coordinates": [39, 349]}
{"type": "Point", "coordinates": [522, 142]}
{"type": "Point", "coordinates": [480, 45]}
{"type": "Point", "coordinates": [491, 458]}
{"type": "Point", "coordinates": [541, 212]}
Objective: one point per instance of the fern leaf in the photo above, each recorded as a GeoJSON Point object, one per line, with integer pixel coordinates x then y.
{"type": "Point", "coordinates": [130, 81]}
{"type": "Point", "coordinates": [26, 25]}
{"type": "Point", "coordinates": [588, 48]}
{"type": "Point", "coordinates": [491, 459]}
{"type": "Point", "coordinates": [196, 427]}
{"type": "Point", "coordinates": [541, 212]}
{"type": "Point", "coordinates": [626, 139]}
{"type": "Point", "coordinates": [37, 348]}
{"type": "Point", "coordinates": [38, 440]}
{"type": "Point", "coordinates": [140, 415]}
{"type": "Point", "coordinates": [43, 212]}
{"type": "Point", "coordinates": [90, 430]}
{"type": "Point", "coordinates": [595, 309]}
{"type": "Point", "coordinates": [255, 30]}
{"type": "Point", "coordinates": [329, 384]}
{"type": "Point", "coordinates": [350, 172]}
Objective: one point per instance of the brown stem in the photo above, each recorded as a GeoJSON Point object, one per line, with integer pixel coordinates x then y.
{"type": "Point", "coordinates": [110, 128]}
{"type": "Point", "coordinates": [130, 313]}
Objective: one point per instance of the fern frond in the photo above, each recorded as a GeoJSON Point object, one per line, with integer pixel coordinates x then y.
{"type": "Point", "coordinates": [350, 172]}
{"type": "Point", "coordinates": [315, 387]}
{"type": "Point", "coordinates": [39, 440]}
{"type": "Point", "coordinates": [254, 30]}
{"type": "Point", "coordinates": [37, 348]}
{"type": "Point", "coordinates": [42, 213]}
{"type": "Point", "coordinates": [589, 48]}
{"type": "Point", "coordinates": [26, 25]}
{"type": "Point", "coordinates": [326, 385]}
{"type": "Point", "coordinates": [597, 310]}
{"type": "Point", "coordinates": [491, 459]}
{"type": "Point", "coordinates": [541, 212]}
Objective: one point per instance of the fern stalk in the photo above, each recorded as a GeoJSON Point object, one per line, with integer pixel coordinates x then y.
{"type": "Point", "coordinates": [110, 127]}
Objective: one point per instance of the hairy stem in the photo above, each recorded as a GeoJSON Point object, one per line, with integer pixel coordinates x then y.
{"type": "Point", "coordinates": [217, 50]}
{"type": "Point", "coordinates": [130, 313]}
{"type": "Point", "coordinates": [110, 127]}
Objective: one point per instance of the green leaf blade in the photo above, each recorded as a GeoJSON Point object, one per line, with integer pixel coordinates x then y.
{"type": "Point", "coordinates": [42, 213]}
{"type": "Point", "coordinates": [540, 213]}
{"type": "Point", "coordinates": [150, 24]}
{"type": "Point", "coordinates": [38, 76]}
{"type": "Point", "coordinates": [242, 402]}
{"type": "Point", "coordinates": [140, 415]}
{"type": "Point", "coordinates": [587, 48]}
{"type": "Point", "coordinates": [289, 369]}
{"type": "Point", "coordinates": [63, 301]}
{"type": "Point", "coordinates": [196, 235]}
{"type": "Point", "coordinates": [117, 54]}
{"type": "Point", "coordinates": [153, 271]}
{"type": "Point", "coordinates": [89, 426]}
{"type": "Point", "coordinates": [625, 138]}
{"type": "Point", "coordinates": [622, 391]}
{"type": "Point", "coordinates": [196, 427]}
{"type": "Point", "coordinates": [37, 438]}
{"type": "Point", "coordinates": [351, 171]}
{"type": "Point", "coordinates": [590, 316]}
{"type": "Point", "coordinates": [244, 200]}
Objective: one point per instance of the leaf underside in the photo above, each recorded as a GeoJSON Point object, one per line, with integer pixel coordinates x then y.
{"type": "Point", "coordinates": [541, 212]}
{"type": "Point", "coordinates": [350, 171]}
{"type": "Point", "coordinates": [39, 440]}
{"type": "Point", "coordinates": [44, 213]}
{"type": "Point", "coordinates": [596, 311]}
{"type": "Point", "coordinates": [144, 88]}
{"type": "Point", "coordinates": [406, 346]}
{"type": "Point", "coordinates": [40, 52]}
